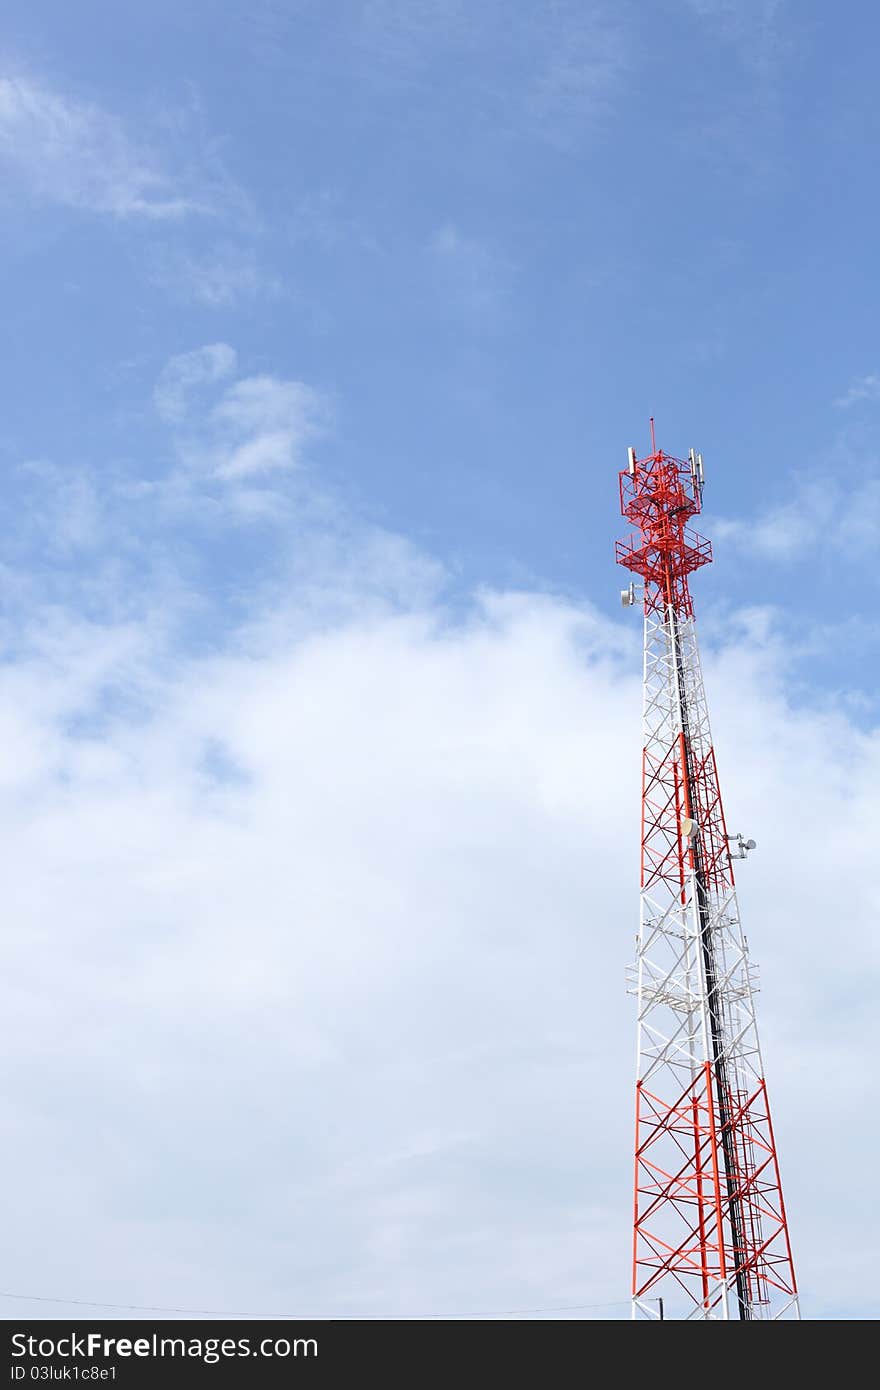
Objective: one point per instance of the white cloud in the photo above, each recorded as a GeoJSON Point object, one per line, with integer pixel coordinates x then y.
{"type": "Point", "coordinates": [72, 152]}
{"type": "Point", "coordinates": [783, 533]}
{"type": "Point", "coordinates": [316, 930]}
{"type": "Point", "coordinates": [260, 424]}
{"type": "Point", "coordinates": [864, 388]}
{"type": "Point", "coordinates": [184, 373]}
{"type": "Point", "coordinates": [330, 915]}
{"type": "Point", "coordinates": [338, 924]}
{"type": "Point", "coordinates": [821, 517]}
{"type": "Point", "coordinates": [263, 424]}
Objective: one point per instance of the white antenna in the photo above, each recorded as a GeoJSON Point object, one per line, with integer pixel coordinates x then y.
{"type": "Point", "coordinates": [696, 463]}
{"type": "Point", "coordinates": [741, 846]}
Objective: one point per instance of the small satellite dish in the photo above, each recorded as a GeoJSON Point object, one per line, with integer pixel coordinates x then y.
{"type": "Point", "coordinates": [749, 844]}
{"type": "Point", "coordinates": [689, 828]}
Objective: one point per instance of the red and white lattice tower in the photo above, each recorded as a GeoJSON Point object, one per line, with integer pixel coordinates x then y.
{"type": "Point", "coordinates": [710, 1236]}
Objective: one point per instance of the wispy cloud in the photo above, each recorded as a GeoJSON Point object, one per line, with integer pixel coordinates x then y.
{"type": "Point", "coordinates": [324, 217]}
{"type": "Point", "coordinates": [475, 276]}
{"type": "Point", "coordinates": [219, 278]}
{"type": "Point", "coordinates": [783, 533]}
{"type": "Point", "coordinates": [258, 426]}
{"type": "Point", "coordinates": [563, 61]}
{"type": "Point", "coordinates": [236, 466]}
{"type": "Point", "coordinates": [760, 38]}
{"type": "Point", "coordinates": [864, 388]}
{"type": "Point", "coordinates": [754, 26]}
{"type": "Point", "coordinates": [263, 424]}
{"type": "Point", "coordinates": [75, 153]}
{"type": "Point", "coordinates": [582, 54]}
{"type": "Point", "coordinates": [73, 519]}
{"type": "Point", "coordinates": [188, 371]}
{"type": "Point", "coordinates": [820, 517]}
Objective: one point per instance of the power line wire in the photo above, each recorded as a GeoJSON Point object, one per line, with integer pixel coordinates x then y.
{"type": "Point", "coordinates": [343, 1317]}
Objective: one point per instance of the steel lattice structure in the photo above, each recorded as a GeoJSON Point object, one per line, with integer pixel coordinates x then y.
{"type": "Point", "coordinates": [710, 1231]}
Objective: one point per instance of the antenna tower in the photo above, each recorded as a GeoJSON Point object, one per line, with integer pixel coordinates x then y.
{"type": "Point", "coordinates": [710, 1232]}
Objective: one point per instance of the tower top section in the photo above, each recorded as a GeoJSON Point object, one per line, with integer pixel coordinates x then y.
{"type": "Point", "coordinates": [659, 494]}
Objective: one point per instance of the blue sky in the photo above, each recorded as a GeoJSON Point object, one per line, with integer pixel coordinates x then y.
{"type": "Point", "coordinates": [497, 242]}
{"type": "Point", "coordinates": [326, 327]}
